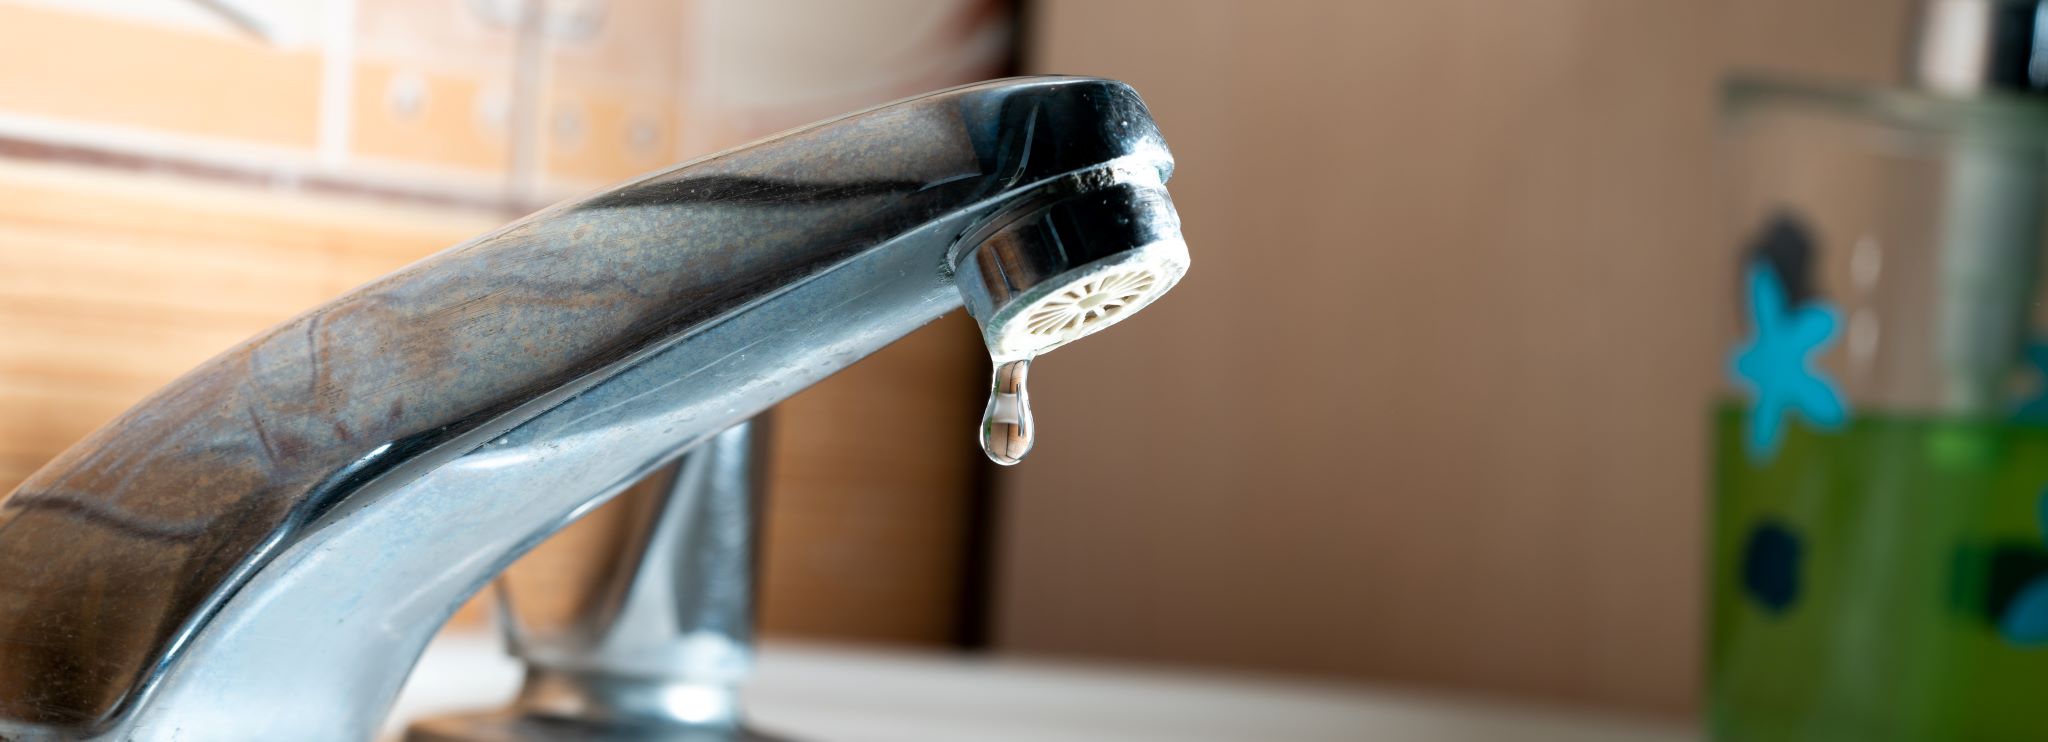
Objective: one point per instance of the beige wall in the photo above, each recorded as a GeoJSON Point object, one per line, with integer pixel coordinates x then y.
{"type": "Point", "coordinates": [1430, 406]}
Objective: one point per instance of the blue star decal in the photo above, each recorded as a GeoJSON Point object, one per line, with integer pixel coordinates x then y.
{"type": "Point", "coordinates": [2026, 620]}
{"type": "Point", "coordinates": [1777, 365]}
{"type": "Point", "coordinates": [2036, 409]}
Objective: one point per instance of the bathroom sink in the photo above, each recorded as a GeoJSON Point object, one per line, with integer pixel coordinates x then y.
{"type": "Point", "coordinates": [819, 693]}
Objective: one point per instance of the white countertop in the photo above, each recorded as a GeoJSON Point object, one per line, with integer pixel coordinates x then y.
{"type": "Point", "coordinates": [817, 693]}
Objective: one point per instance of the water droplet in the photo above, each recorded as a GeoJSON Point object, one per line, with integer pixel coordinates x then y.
{"type": "Point", "coordinates": [1006, 427]}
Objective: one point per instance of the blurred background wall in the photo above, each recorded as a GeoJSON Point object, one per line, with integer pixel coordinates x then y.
{"type": "Point", "coordinates": [1431, 405]}
{"type": "Point", "coordinates": [1430, 408]}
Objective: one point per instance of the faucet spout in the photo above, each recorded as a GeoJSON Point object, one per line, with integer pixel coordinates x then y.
{"type": "Point", "coordinates": [261, 549]}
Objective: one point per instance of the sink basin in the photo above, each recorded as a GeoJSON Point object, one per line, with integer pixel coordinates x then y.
{"type": "Point", "coordinates": [819, 693]}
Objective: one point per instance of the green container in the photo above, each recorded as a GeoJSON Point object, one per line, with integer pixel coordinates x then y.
{"type": "Point", "coordinates": [1879, 565]}
{"type": "Point", "coordinates": [1910, 538]}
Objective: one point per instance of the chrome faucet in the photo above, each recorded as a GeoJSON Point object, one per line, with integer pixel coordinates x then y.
{"type": "Point", "coordinates": [261, 549]}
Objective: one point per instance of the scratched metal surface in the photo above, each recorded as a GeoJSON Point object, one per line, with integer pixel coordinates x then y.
{"type": "Point", "coordinates": [125, 545]}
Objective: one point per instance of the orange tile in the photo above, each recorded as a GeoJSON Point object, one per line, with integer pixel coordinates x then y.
{"type": "Point", "coordinates": [102, 70]}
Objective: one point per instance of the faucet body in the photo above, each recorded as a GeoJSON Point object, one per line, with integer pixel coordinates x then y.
{"type": "Point", "coordinates": [262, 549]}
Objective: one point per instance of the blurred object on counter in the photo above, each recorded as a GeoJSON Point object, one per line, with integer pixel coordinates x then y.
{"type": "Point", "coordinates": [1881, 512]}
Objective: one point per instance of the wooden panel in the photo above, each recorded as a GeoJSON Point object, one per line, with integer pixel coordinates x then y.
{"type": "Point", "coordinates": [107, 70]}
{"type": "Point", "coordinates": [872, 472]}
{"type": "Point", "coordinates": [112, 285]}
{"type": "Point", "coordinates": [447, 126]}
{"type": "Point", "coordinates": [613, 99]}
{"type": "Point", "coordinates": [599, 134]}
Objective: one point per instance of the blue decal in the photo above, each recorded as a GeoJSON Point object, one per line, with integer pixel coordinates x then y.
{"type": "Point", "coordinates": [2036, 409]}
{"type": "Point", "coordinates": [1771, 566]}
{"type": "Point", "coordinates": [2026, 619]}
{"type": "Point", "coordinates": [1777, 366]}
